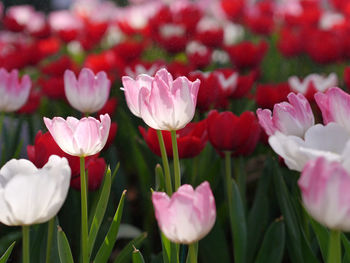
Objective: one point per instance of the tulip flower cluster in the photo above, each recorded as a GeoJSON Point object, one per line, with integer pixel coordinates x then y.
{"type": "Point", "coordinates": [239, 151]}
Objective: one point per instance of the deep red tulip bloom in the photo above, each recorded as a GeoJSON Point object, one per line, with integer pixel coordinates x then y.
{"type": "Point", "coordinates": [59, 66]}
{"type": "Point", "coordinates": [267, 95]}
{"type": "Point", "coordinates": [290, 42]}
{"type": "Point", "coordinates": [233, 8]}
{"type": "Point", "coordinates": [95, 167]}
{"type": "Point", "coordinates": [53, 87]}
{"type": "Point", "coordinates": [246, 54]}
{"type": "Point", "coordinates": [237, 134]}
{"type": "Point", "coordinates": [244, 85]}
{"type": "Point", "coordinates": [209, 91]}
{"type": "Point", "coordinates": [111, 135]}
{"type": "Point", "coordinates": [45, 146]}
{"type": "Point", "coordinates": [191, 140]}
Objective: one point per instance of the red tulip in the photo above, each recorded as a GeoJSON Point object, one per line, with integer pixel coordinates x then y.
{"type": "Point", "coordinates": [228, 132]}
{"type": "Point", "coordinates": [246, 54]}
{"type": "Point", "coordinates": [45, 146]}
{"type": "Point", "coordinates": [268, 95]}
{"type": "Point", "coordinates": [191, 140]}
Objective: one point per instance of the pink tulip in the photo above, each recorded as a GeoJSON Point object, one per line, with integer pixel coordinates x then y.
{"type": "Point", "coordinates": [79, 137]}
{"type": "Point", "coordinates": [13, 92]}
{"type": "Point", "coordinates": [335, 106]}
{"type": "Point", "coordinates": [188, 215]}
{"type": "Point", "coordinates": [293, 118]}
{"type": "Point", "coordinates": [325, 191]}
{"type": "Point", "coordinates": [89, 93]}
{"type": "Point", "coordinates": [162, 103]}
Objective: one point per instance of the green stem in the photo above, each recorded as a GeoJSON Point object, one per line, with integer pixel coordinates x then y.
{"type": "Point", "coordinates": [2, 116]}
{"type": "Point", "coordinates": [177, 174]}
{"type": "Point", "coordinates": [50, 229]}
{"type": "Point", "coordinates": [84, 212]}
{"type": "Point", "coordinates": [25, 244]}
{"type": "Point", "coordinates": [168, 184]}
{"type": "Point", "coordinates": [228, 184]}
{"type": "Point", "coordinates": [334, 247]}
{"type": "Point", "coordinates": [192, 253]}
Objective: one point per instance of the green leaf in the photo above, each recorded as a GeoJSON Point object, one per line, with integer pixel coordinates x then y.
{"type": "Point", "coordinates": [239, 226]}
{"type": "Point", "coordinates": [125, 255]}
{"type": "Point", "coordinates": [298, 247]}
{"type": "Point", "coordinates": [64, 250]}
{"type": "Point", "coordinates": [160, 184]}
{"type": "Point", "coordinates": [137, 256]}
{"type": "Point", "coordinates": [214, 247]}
{"type": "Point", "coordinates": [346, 245]}
{"type": "Point", "coordinates": [7, 253]}
{"type": "Point", "coordinates": [107, 246]}
{"type": "Point", "coordinates": [272, 247]}
{"type": "Point", "coordinates": [258, 217]}
{"type": "Point", "coordinates": [166, 248]}
{"type": "Point", "coordinates": [115, 171]}
{"type": "Point", "coordinates": [322, 235]}
{"type": "Point", "coordinates": [100, 211]}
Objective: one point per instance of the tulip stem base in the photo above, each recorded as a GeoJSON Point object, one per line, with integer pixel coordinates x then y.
{"type": "Point", "coordinates": [177, 174]}
{"type": "Point", "coordinates": [334, 247]}
{"type": "Point", "coordinates": [25, 244]}
{"type": "Point", "coordinates": [168, 184]}
{"type": "Point", "coordinates": [50, 230]}
{"type": "Point", "coordinates": [84, 212]}
{"type": "Point", "coordinates": [192, 253]}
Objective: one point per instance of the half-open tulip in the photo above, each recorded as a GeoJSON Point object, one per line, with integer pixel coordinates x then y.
{"type": "Point", "coordinates": [335, 106]}
{"type": "Point", "coordinates": [292, 118]}
{"type": "Point", "coordinates": [29, 195]}
{"type": "Point", "coordinates": [13, 92]}
{"type": "Point", "coordinates": [83, 137]}
{"type": "Point", "coordinates": [162, 103]}
{"type": "Point", "coordinates": [89, 92]}
{"type": "Point", "coordinates": [325, 191]}
{"type": "Point", "coordinates": [188, 215]}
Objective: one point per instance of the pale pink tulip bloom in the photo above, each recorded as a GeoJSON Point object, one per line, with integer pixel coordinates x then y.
{"type": "Point", "coordinates": [188, 215]}
{"type": "Point", "coordinates": [335, 106]}
{"type": "Point", "coordinates": [89, 92]}
{"type": "Point", "coordinates": [13, 92]}
{"type": "Point", "coordinates": [162, 103]}
{"type": "Point", "coordinates": [325, 191]}
{"type": "Point", "coordinates": [64, 20]}
{"type": "Point", "coordinates": [83, 137]}
{"type": "Point", "coordinates": [293, 118]}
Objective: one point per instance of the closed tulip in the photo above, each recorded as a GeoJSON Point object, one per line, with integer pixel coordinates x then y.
{"type": "Point", "coordinates": [88, 93]}
{"type": "Point", "coordinates": [14, 93]}
{"type": "Point", "coordinates": [83, 137]}
{"type": "Point", "coordinates": [188, 215]}
{"type": "Point", "coordinates": [325, 191]}
{"type": "Point", "coordinates": [29, 195]}
{"type": "Point", "coordinates": [237, 134]}
{"type": "Point", "coordinates": [162, 103]}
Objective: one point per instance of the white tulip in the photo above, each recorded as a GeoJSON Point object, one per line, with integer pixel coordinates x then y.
{"type": "Point", "coordinates": [29, 195]}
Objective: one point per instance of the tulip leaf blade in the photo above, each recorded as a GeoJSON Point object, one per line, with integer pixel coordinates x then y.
{"type": "Point", "coordinates": [7, 253]}
{"type": "Point", "coordinates": [258, 216]}
{"type": "Point", "coordinates": [346, 244]}
{"type": "Point", "coordinates": [160, 183]}
{"type": "Point", "coordinates": [126, 254]}
{"type": "Point", "coordinates": [100, 210]}
{"type": "Point", "coordinates": [107, 246]}
{"type": "Point", "coordinates": [272, 247]}
{"type": "Point", "coordinates": [239, 225]}
{"type": "Point", "coordinates": [299, 248]}
{"type": "Point", "coordinates": [137, 256]}
{"type": "Point", "coordinates": [322, 235]}
{"type": "Point", "coordinates": [64, 251]}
